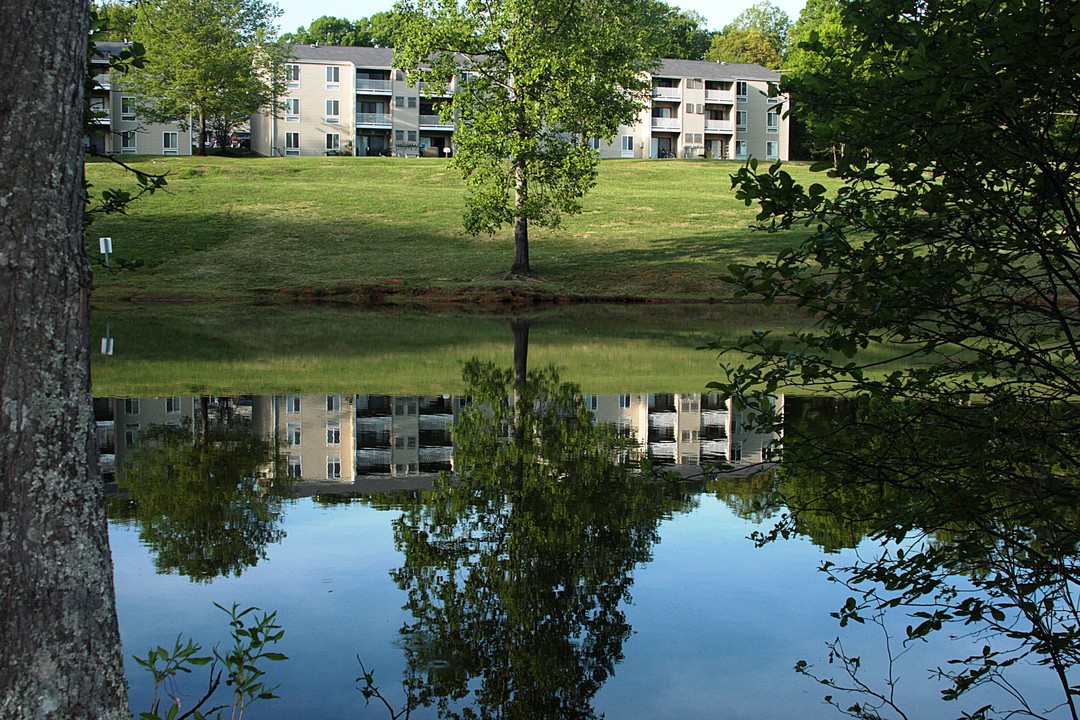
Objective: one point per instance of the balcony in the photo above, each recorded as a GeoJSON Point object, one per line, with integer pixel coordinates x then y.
{"type": "Point", "coordinates": [719, 126]}
{"type": "Point", "coordinates": [374, 86]}
{"type": "Point", "coordinates": [719, 96]}
{"type": "Point", "coordinates": [434, 121]}
{"type": "Point", "coordinates": [664, 123]}
{"type": "Point", "coordinates": [434, 90]}
{"type": "Point", "coordinates": [373, 119]}
{"type": "Point", "coordinates": [667, 93]}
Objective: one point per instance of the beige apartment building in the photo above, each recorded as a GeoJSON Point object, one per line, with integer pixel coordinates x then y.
{"type": "Point", "coordinates": [351, 101]}
{"type": "Point", "coordinates": [122, 130]}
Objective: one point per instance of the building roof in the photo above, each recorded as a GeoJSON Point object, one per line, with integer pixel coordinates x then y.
{"type": "Point", "coordinates": [359, 56]}
{"type": "Point", "coordinates": [384, 57]}
{"type": "Point", "coordinates": [716, 70]}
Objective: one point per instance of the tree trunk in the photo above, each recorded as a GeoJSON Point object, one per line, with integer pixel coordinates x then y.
{"type": "Point", "coordinates": [59, 643]}
{"type": "Point", "coordinates": [202, 135]}
{"type": "Point", "coordinates": [520, 268]}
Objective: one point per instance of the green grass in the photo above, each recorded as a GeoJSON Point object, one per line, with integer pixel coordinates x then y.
{"type": "Point", "coordinates": [257, 227]}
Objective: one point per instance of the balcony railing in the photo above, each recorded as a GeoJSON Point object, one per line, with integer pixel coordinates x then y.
{"type": "Point", "coordinates": [666, 93]}
{"type": "Point", "coordinates": [719, 126]}
{"type": "Point", "coordinates": [433, 121]}
{"type": "Point", "coordinates": [434, 90]}
{"type": "Point", "coordinates": [663, 123]}
{"type": "Point", "coordinates": [372, 118]}
{"type": "Point", "coordinates": [368, 85]}
{"type": "Point", "coordinates": [723, 96]}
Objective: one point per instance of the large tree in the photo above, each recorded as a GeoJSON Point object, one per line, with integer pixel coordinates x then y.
{"type": "Point", "coordinates": [211, 63]}
{"type": "Point", "coordinates": [680, 33]}
{"type": "Point", "coordinates": [954, 235]}
{"type": "Point", "coordinates": [759, 34]}
{"type": "Point", "coordinates": [59, 641]}
{"type": "Point", "coordinates": [538, 80]}
{"type": "Point", "coordinates": [379, 30]}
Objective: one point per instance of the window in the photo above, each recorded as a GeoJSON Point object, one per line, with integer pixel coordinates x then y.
{"type": "Point", "coordinates": [131, 406]}
{"type": "Point", "coordinates": [412, 102]}
{"type": "Point", "coordinates": [772, 150]}
{"type": "Point", "coordinates": [333, 432]}
{"type": "Point", "coordinates": [295, 468]}
{"type": "Point", "coordinates": [594, 143]}
{"type": "Point", "coordinates": [399, 101]}
{"type": "Point", "coordinates": [332, 108]}
{"type": "Point", "coordinates": [399, 135]}
{"type": "Point", "coordinates": [333, 142]}
{"type": "Point", "coordinates": [172, 404]}
{"type": "Point", "coordinates": [628, 143]}
{"type": "Point", "coordinates": [170, 143]}
{"type": "Point", "coordinates": [131, 434]}
{"type": "Point", "coordinates": [292, 433]}
{"type": "Point", "coordinates": [740, 149]}
{"type": "Point", "coordinates": [400, 75]}
{"type": "Point", "coordinates": [590, 402]}
{"type": "Point", "coordinates": [333, 77]}
{"type": "Point", "coordinates": [740, 119]}
{"type": "Point", "coordinates": [772, 121]}
{"type": "Point", "coordinates": [624, 401]}
{"type": "Point", "coordinates": [292, 402]}
{"type": "Point", "coordinates": [127, 108]}
{"type": "Point", "coordinates": [333, 403]}
{"type": "Point", "coordinates": [128, 142]}
{"type": "Point", "coordinates": [412, 136]}
{"type": "Point", "coordinates": [292, 147]}
{"type": "Point", "coordinates": [740, 90]}
{"type": "Point", "coordinates": [333, 466]}
{"type": "Point", "coordinates": [292, 75]}
{"type": "Point", "coordinates": [410, 442]}
{"type": "Point", "coordinates": [399, 443]}
{"type": "Point", "coordinates": [292, 109]}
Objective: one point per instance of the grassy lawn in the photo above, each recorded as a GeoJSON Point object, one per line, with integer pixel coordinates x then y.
{"type": "Point", "coordinates": [356, 227]}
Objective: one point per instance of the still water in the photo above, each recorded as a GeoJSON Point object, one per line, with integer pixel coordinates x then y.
{"type": "Point", "coordinates": [620, 596]}
{"type": "Point", "coordinates": [492, 546]}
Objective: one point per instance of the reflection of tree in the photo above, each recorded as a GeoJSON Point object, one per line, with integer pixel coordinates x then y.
{"type": "Point", "coordinates": [977, 513]}
{"type": "Point", "coordinates": [208, 502]}
{"type": "Point", "coordinates": [516, 567]}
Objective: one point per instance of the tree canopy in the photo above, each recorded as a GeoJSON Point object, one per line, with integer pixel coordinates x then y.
{"type": "Point", "coordinates": [210, 63]}
{"type": "Point", "coordinates": [536, 81]}
{"type": "Point", "coordinates": [953, 236]}
{"type": "Point", "coordinates": [680, 33]}
{"type": "Point", "coordinates": [379, 30]}
{"type": "Point", "coordinates": [759, 34]}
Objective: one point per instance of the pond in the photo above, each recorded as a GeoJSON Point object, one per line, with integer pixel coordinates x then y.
{"type": "Point", "coordinates": [475, 527]}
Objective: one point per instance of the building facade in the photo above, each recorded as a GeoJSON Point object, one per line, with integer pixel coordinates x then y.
{"type": "Point", "coordinates": [120, 129]}
{"type": "Point", "coordinates": [351, 101]}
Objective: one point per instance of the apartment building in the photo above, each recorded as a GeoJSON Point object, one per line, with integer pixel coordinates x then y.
{"type": "Point", "coordinates": [351, 101]}
{"type": "Point", "coordinates": [122, 130]}
{"type": "Point", "coordinates": [707, 110]}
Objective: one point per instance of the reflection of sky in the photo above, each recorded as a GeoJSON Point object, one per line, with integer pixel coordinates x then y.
{"type": "Point", "coordinates": [718, 624]}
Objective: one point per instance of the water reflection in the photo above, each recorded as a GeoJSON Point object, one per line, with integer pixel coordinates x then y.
{"type": "Point", "coordinates": [205, 490]}
{"type": "Point", "coordinates": [517, 566]}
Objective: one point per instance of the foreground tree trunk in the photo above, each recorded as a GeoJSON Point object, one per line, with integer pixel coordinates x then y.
{"type": "Point", "coordinates": [59, 642]}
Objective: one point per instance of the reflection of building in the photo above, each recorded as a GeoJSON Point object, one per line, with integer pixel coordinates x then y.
{"type": "Point", "coordinates": [404, 435]}
{"type": "Point", "coordinates": [351, 101]}
{"type": "Point", "coordinates": [315, 433]}
{"type": "Point", "coordinates": [407, 439]}
{"type": "Point", "coordinates": [133, 416]}
{"type": "Point", "coordinates": [694, 429]}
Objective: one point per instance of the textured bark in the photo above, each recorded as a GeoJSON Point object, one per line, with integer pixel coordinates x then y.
{"type": "Point", "coordinates": [59, 642]}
